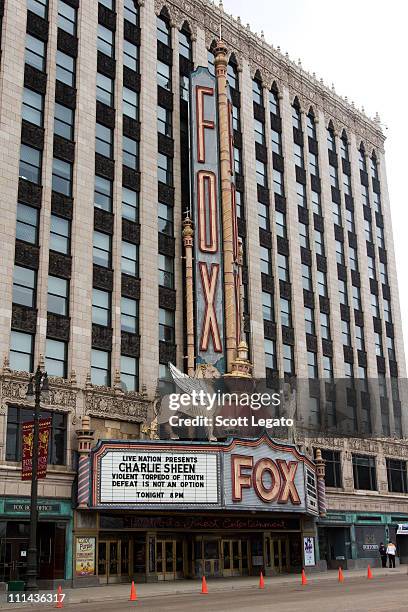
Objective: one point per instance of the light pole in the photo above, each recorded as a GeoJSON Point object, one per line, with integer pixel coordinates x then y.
{"type": "Point", "coordinates": [38, 385]}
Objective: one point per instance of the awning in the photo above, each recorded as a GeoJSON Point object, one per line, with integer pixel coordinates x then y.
{"type": "Point", "coordinates": [402, 529]}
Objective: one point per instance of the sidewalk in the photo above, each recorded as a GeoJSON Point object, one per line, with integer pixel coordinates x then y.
{"type": "Point", "coordinates": [118, 592]}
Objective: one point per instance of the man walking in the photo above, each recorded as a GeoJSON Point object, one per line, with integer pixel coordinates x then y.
{"type": "Point", "coordinates": [383, 554]}
{"type": "Point", "coordinates": [391, 552]}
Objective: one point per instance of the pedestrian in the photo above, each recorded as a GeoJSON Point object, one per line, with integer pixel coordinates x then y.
{"type": "Point", "coordinates": [383, 554]}
{"type": "Point", "coordinates": [391, 552]}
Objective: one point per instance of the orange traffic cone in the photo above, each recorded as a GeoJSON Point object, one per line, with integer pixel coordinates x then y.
{"type": "Point", "coordinates": [60, 598]}
{"type": "Point", "coordinates": [341, 577]}
{"type": "Point", "coordinates": [369, 573]}
{"type": "Point", "coordinates": [261, 581]}
{"type": "Point", "coordinates": [204, 588]}
{"type": "Point", "coordinates": [133, 595]}
{"type": "Point", "coordinates": [304, 579]}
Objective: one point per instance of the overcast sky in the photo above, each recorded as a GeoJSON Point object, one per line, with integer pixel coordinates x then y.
{"type": "Point", "coordinates": [361, 46]}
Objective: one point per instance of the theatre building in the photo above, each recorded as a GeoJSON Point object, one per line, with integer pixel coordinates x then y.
{"type": "Point", "coordinates": [163, 510]}
{"type": "Point", "coordinates": [167, 197]}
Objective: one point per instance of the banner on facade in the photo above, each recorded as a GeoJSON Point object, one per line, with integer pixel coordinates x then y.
{"type": "Point", "coordinates": [402, 529]}
{"type": "Point", "coordinates": [44, 427]}
{"type": "Point", "coordinates": [85, 556]}
{"type": "Point", "coordinates": [309, 551]}
{"type": "Point", "coordinates": [209, 313]}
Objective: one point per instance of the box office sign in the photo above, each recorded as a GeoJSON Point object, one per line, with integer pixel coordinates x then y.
{"type": "Point", "coordinates": [85, 556]}
{"type": "Point", "coordinates": [238, 475]}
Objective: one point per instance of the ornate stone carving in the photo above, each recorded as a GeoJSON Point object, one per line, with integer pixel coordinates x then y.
{"type": "Point", "coordinates": [29, 193]}
{"type": "Point", "coordinates": [60, 264]}
{"type": "Point", "coordinates": [24, 318]}
{"type": "Point", "coordinates": [32, 134]}
{"type": "Point", "coordinates": [58, 326]}
{"type": "Point", "coordinates": [61, 205]}
{"type": "Point", "coordinates": [101, 337]}
{"type": "Point", "coordinates": [104, 402]}
{"type": "Point", "coordinates": [130, 344]}
{"type": "Point", "coordinates": [130, 286]}
{"type": "Point", "coordinates": [64, 149]}
{"type": "Point", "coordinates": [14, 390]}
{"type": "Point", "coordinates": [27, 255]}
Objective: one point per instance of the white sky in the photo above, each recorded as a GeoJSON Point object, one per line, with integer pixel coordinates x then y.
{"type": "Point", "coordinates": [361, 46]}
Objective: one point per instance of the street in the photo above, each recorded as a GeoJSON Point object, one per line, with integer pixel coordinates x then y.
{"type": "Point", "coordinates": [356, 594]}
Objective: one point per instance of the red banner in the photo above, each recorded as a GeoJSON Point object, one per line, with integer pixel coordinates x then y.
{"type": "Point", "coordinates": [27, 446]}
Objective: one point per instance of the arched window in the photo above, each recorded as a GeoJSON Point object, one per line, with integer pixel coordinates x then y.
{"type": "Point", "coordinates": [163, 29]}
{"type": "Point", "coordinates": [131, 11]}
{"type": "Point", "coordinates": [257, 89]}
{"type": "Point", "coordinates": [374, 166]}
{"type": "Point", "coordinates": [232, 74]}
{"type": "Point", "coordinates": [210, 57]}
{"type": "Point", "coordinates": [331, 142]}
{"type": "Point", "coordinates": [185, 42]}
{"type": "Point", "coordinates": [274, 101]}
{"type": "Point", "coordinates": [344, 146]}
{"type": "Point", "coordinates": [296, 120]}
{"type": "Point", "coordinates": [362, 159]}
{"type": "Point", "coordinates": [311, 125]}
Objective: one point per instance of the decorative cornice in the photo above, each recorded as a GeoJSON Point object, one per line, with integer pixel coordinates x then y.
{"type": "Point", "coordinates": [106, 402]}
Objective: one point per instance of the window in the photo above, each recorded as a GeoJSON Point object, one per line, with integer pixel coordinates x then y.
{"type": "Point", "coordinates": [270, 354]}
{"type": "Point", "coordinates": [257, 92]}
{"type": "Point", "coordinates": [110, 4]}
{"type": "Point", "coordinates": [232, 76]}
{"type": "Point", "coordinates": [56, 357]}
{"type": "Point", "coordinates": [129, 370]}
{"type": "Point", "coordinates": [288, 361]}
{"type": "Point", "coordinates": [283, 267]}
{"type": "Point", "coordinates": [66, 18]}
{"type": "Point", "coordinates": [130, 103]}
{"type": "Point", "coordinates": [364, 195]}
{"type": "Point", "coordinates": [237, 161]}
{"type": "Point", "coordinates": [331, 143]}
{"type": "Point", "coordinates": [273, 103]}
{"type": "Point", "coordinates": [239, 205]}
{"type": "Point", "coordinates": [319, 242]}
{"type": "Point", "coordinates": [62, 177]}
{"type": "Point", "coordinates": [30, 164]}
{"type": "Point", "coordinates": [259, 132]}
{"type": "Point", "coordinates": [165, 219]}
{"type": "Point", "coordinates": [375, 309]}
{"type": "Point", "coordinates": [166, 325]}
{"type": "Point", "coordinates": [266, 262]}
{"type": "Point", "coordinates": [333, 468]}
{"type": "Point", "coordinates": [280, 220]}
{"type": "Point", "coordinates": [276, 139]}
{"type": "Point", "coordinates": [267, 306]}
{"type": "Point", "coordinates": [311, 126]}
{"type": "Point", "coordinates": [106, 41]}
{"type": "Point", "coordinates": [263, 216]}
{"type": "Point", "coordinates": [102, 248]}
{"type": "Point", "coordinates": [100, 367]}
{"type": "Point", "coordinates": [103, 193]}
{"type": "Point", "coordinates": [339, 252]}
{"type": "Point", "coordinates": [185, 49]}
{"type": "Point", "coordinates": [312, 364]}
{"type": "Point", "coordinates": [298, 155]}
{"type": "Point", "coordinates": [130, 11]}
{"type": "Point", "coordinates": [307, 277]}
{"type": "Point", "coordinates": [356, 298]}
{"type": "Point", "coordinates": [364, 472]}
{"type": "Point", "coordinates": [130, 259]}
{"type": "Point", "coordinates": [35, 52]}
{"type": "Point", "coordinates": [164, 121]}
{"type": "Point", "coordinates": [362, 160]}
{"type": "Point", "coordinates": [165, 169]}
{"type": "Point", "coordinates": [344, 147]}
{"type": "Point", "coordinates": [24, 286]}
{"type": "Point", "coordinates": [104, 89]}
{"type": "Point", "coordinates": [261, 177]}
{"type": "Point", "coordinates": [65, 69]}
{"type": "Point", "coordinates": [316, 205]}
{"type": "Point", "coordinates": [286, 312]}
{"type": "Point", "coordinates": [376, 202]}
{"type": "Point", "coordinates": [129, 315]}
{"type": "Point", "coordinates": [383, 273]}
{"type": "Point", "coordinates": [327, 367]}
{"type": "Point", "coordinates": [368, 230]}
{"type": "Point", "coordinates": [296, 121]}
{"type": "Point", "coordinates": [104, 140]}
{"type": "Point", "coordinates": [236, 125]}
{"type": "Point", "coordinates": [39, 7]}
{"type": "Point", "coordinates": [390, 348]}
{"type": "Point", "coordinates": [359, 336]}
{"type": "Point", "coordinates": [373, 168]}
{"type": "Point", "coordinates": [21, 352]}
{"type": "Point", "coordinates": [350, 220]}
{"type": "Point", "coordinates": [313, 164]}
{"type": "Point", "coordinates": [164, 75]}
{"type": "Point", "coordinates": [58, 289]}
{"type": "Point", "coordinates": [334, 178]}
{"type": "Point", "coordinates": [387, 310]}
{"type": "Point", "coordinates": [101, 307]}
{"type": "Point", "coordinates": [353, 258]}
{"type": "Point", "coordinates": [378, 344]}
{"type": "Point", "coordinates": [163, 31]}
{"type": "Point", "coordinates": [166, 271]}
{"type": "Point", "coordinates": [301, 195]}
{"type": "Point", "coordinates": [27, 223]}
{"type": "Point", "coordinates": [60, 234]}
{"type": "Point", "coordinates": [33, 107]}
{"type": "Point", "coordinates": [131, 55]}
{"type": "Point", "coordinates": [343, 298]}
{"type": "Point", "coordinates": [309, 321]}
{"type": "Point", "coordinates": [347, 184]}
{"type": "Point", "coordinates": [278, 182]}
{"type": "Point", "coordinates": [371, 266]}
{"type": "Point", "coordinates": [348, 370]}
{"type": "Point", "coordinates": [57, 440]}
{"type": "Point", "coordinates": [346, 334]}
{"type": "Point", "coordinates": [397, 475]}
{"type": "Point", "coordinates": [64, 121]}
{"type": "Point", "coordinates": [210, 60]}
{"type": "Point", "coordinates": [325, 326]}
{"type": "Point", "coordinates": [130, 153]}
{"type": "Point", "coordinates": [380, 237]}
{"type": "Point", "coordinates": [130, 204]}
{"type": "Point", "coordinates": [337, 213]}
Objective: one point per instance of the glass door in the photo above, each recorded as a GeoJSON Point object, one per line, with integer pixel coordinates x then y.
{"type": "Point", "coordinates": [279, 554]}
{"type": "Point", "coordinates": [15, 560]}
{"type": "Point", "coordinates": [232, 557]}
{"type": "Point", "coordinates": [169, 559]}
{"type": "Point", "coordinates": [110, 560]}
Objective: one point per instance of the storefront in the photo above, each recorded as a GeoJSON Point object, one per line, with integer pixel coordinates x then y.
{"type": "Point", "coordinates": [164, 510]}
{"type": "Point", "coordinates": [54, 539]}
{"type": "Point", "coordinates": [353, 540]}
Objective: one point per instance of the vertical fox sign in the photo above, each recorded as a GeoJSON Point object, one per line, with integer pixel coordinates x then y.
{"type": "Point", "coordinates": [207, 218]}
